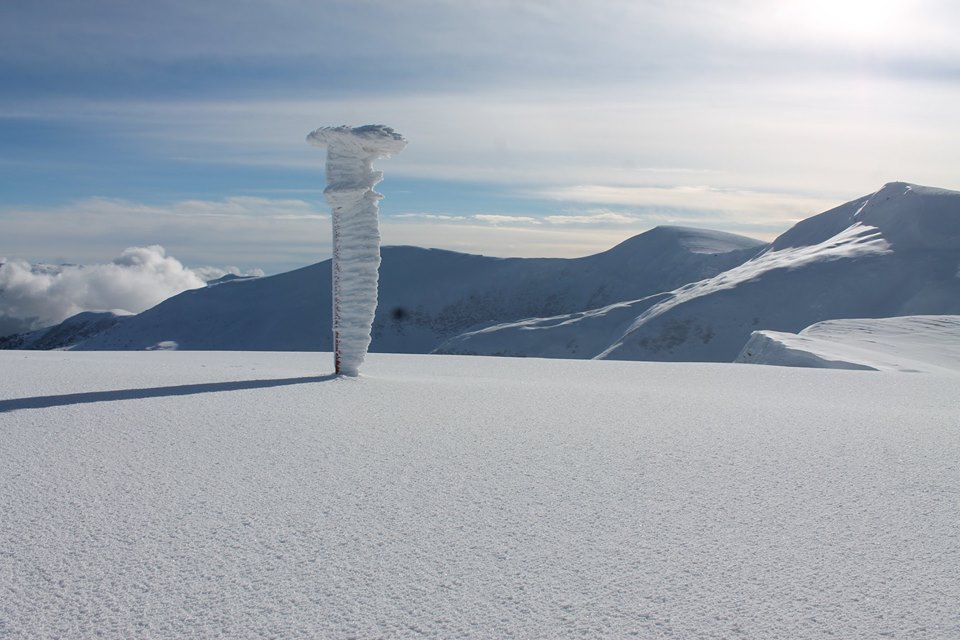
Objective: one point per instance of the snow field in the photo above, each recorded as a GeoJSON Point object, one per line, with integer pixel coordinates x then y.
{"type": "Point", "coordinates": [171, 494]}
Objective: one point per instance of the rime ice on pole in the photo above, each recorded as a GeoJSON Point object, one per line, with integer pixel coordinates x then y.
{"type": "Point", "coordinates": [356, 232]}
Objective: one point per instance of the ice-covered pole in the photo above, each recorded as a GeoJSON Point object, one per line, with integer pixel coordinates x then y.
{"type": "Point", "coordinates": [356, 232]}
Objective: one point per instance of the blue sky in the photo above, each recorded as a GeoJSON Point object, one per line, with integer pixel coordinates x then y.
{"type": "Point", "coordinates": [535, 128]}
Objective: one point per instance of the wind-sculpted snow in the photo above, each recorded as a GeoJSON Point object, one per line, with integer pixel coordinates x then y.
{"type": "Point", "coordinates": [572, 335]}
{"type": "Point", "coordinates": [856, 241]}
{"type": "Point", "coordinates": [587, 334]}
{"type": "Point", "coordinates": [356, 232]}
{"type": "Point", "coordinates": [238, 495]}
{"type": "Point", "coordinates": [908, 343]}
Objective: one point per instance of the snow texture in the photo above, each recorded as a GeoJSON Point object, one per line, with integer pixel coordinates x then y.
{"type": "Point", "coordinates": [237, 495]}
{"type": "Point", "coordinates": [906, 343]}
{"type": "Point", "coordinates": [356, 232]}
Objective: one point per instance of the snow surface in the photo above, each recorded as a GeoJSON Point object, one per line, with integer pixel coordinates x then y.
{"type": "Point", "coordinates": [192, 494]}
{"type": "Point", "coordinates": [907, 343]}
{"type": "Point", "coordinates": [356, 232]}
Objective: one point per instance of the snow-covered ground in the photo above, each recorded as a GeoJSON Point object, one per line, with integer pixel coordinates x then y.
{"type": "Point", "coordinates": [907, 343]}
{"type": "Point", "coordinates": [193, 494]}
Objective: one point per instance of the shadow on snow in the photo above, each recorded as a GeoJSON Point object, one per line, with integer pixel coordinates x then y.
{"type": "Point", "coordinates": [43, 402]}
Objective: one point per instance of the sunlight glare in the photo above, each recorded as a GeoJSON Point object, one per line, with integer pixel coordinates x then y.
{"type": "Point", "coordinates": [851, 21]}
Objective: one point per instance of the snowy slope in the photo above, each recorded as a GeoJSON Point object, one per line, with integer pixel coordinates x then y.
{"type": "Point", "coordinates": [239, 495]}
{"type": "Point", "coordinates": [428, 295]}
{"type": "Point", "coordinates": [895, 252]}
{"type": "Point", "coordinates": [573, 335]}
{"type": "Point", "coordinates": [74, 329]}
{"type": "Point", "coordinates": [908, 343]}
{"type": "Point", "coordinates": [898, 254]}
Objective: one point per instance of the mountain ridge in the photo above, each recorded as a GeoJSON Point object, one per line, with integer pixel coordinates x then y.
{"type": "Point", "coordinates": [891, 253]}
{"type": "Point", "coordinates": [670, 294]}
{"type": "Point", "coordinates": [426, 295]}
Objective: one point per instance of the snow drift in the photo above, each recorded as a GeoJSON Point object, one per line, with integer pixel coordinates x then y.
{"type": "Point", "coordinates": [908, 343]}
{"type": "Point", "coordinates": [356, 232]}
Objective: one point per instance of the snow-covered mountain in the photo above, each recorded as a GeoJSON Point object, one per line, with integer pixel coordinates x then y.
{"type": "Point", "coordinates": [71, 331]}
{"type": "Point", "coordinates": [895, 252]}
{"type": "Point", "coordinates": [669, 294]}
{"type": "Point", "coordinates": [906, 343]}
{"type": "Point", "coordinates": [426, 295]}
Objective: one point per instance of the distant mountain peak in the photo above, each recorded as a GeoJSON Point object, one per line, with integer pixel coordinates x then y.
{"type": "Point", "coordinates": [914, 217]}
{"type": "Point", "coordinates": [691, 239]}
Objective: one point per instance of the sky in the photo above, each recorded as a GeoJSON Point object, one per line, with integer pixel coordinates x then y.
{"type": "Point", "coordinates": [535, 128]}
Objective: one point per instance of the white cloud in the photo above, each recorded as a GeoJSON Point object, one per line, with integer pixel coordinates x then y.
{"type": "Point", "coordinates": [431, 216]}
{"type": "Point", "coordinates": [596, 218]}
{"type": "Point", "coordinates": [604, 217]}
{"type": "Point", "coordinates": [795, 133]}
{"type": "Point", "coordinates": [496, 218]}
{"type": "Point", "coordinates": [745, 206]}
{"type": "Point", "coordinates": [35, 296]}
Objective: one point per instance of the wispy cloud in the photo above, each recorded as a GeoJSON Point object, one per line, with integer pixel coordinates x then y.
{"type": "Point", "coordinates": [748, 205]}
{"type": "Point", "coordinates": [589, 218]}
{"type": "Point", "coordinates": [495, 218]}
{"type": "Point", "coordinates": [605, 217]}
{"type": "Point", "coordinates": [431, 216]}
{"type": "Point", "coordinates": [741, 115]}
{"type": "Point", "coordinates": [769, 136]}
{"type": "Point", "coordinates": [276, 45]}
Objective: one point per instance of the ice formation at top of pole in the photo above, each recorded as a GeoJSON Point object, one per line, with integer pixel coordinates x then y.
{"type": "Point", "coordinates": [375, 140]}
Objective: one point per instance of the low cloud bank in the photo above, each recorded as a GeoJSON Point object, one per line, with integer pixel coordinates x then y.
{"type": "Point", "coordinates": [33, 296]}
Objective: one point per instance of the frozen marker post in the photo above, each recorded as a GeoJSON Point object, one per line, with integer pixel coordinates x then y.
{"type": "Point", "coordinates": [356, 232]}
